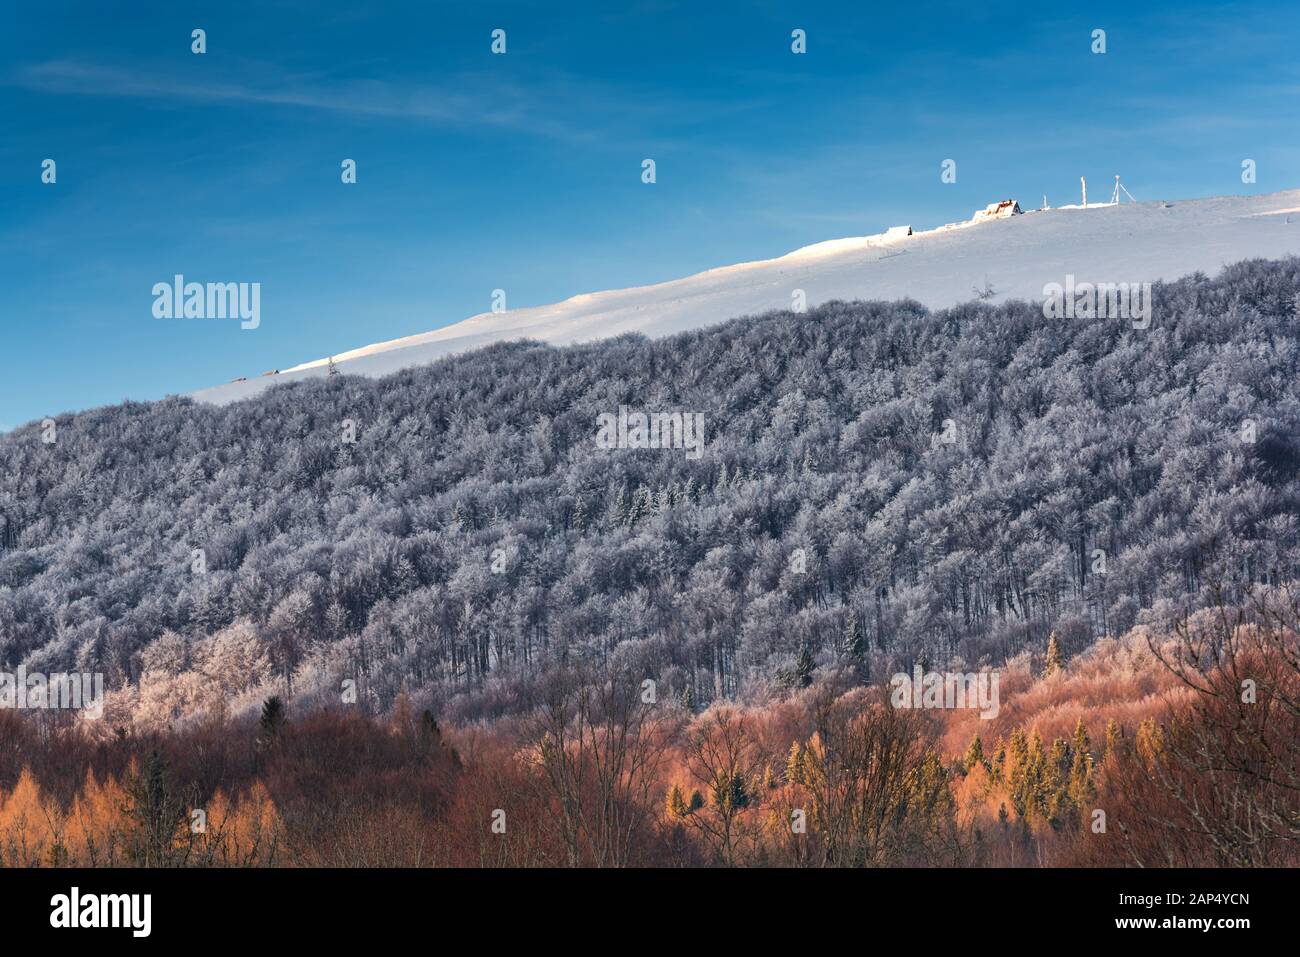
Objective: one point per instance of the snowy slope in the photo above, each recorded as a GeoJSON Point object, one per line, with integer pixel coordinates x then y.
{"type": "Point", "coordinates": [940, 267]}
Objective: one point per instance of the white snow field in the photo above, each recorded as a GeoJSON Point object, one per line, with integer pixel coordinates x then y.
{"type": "Point", "coordinates": [940, 267]}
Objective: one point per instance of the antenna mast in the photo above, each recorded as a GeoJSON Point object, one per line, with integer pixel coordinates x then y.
{"type": "Point", "coordinates": [1084, 183]}
{"type": "Point", "coordinates": [1114, 199]}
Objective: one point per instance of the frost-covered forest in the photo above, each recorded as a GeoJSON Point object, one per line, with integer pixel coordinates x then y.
{"type": "Point", "coordinates": [881, 484]}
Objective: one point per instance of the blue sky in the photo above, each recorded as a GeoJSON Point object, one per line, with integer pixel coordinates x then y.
{"type": "Point", "coordinates": [522, 171]}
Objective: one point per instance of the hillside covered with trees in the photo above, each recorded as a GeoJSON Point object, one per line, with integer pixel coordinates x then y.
{"type": "Point", "coordinates": [881, 485]}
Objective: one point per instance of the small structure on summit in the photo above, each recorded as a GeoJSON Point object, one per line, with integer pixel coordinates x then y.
{"type": "Point", "coordinates": [898, 232]}
{"type": "Point", "coordinates": [1002, 210]}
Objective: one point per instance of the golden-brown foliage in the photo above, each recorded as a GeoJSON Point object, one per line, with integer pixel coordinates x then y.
{"type": "Point", "coordinates": [1153, 732]}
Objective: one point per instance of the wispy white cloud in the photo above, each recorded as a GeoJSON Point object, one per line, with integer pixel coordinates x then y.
{"type": "Point", "coordinates": [466, 100]}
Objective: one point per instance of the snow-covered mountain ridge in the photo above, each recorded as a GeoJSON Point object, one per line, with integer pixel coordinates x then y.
{"type": "Point", "coordinates": [1015, 256]}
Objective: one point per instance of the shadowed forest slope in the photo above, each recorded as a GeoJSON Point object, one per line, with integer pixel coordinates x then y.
{"type": "Point", "coordinates": [880, 485]}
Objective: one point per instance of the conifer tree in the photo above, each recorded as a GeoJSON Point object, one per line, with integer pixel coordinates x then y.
{"type": "Point", "coordinates": [269, 724]}
{"type": "Point", "coordinates": [1113, 735]}
{"type": "Point", "coordinates": [677, 806]}
{"type": "Point", "coordinates": [675, 495]}
{"type": "Point", "coordinates": [928, 792]}
{"type": "Point", "coordinates": [1149, 741]}
{"type": "Point", "coordinates": [1058, 758]}
{"type": "Point", "coordinates": [1020, 779]}
{"type": "Point", "coordinates": [794, 765]}
{"type": "Point", "coordinates": [618, 508]}
{"type": "Point", "coordinates": [1054, 658]}
{"type": "Point", "coordinates": [641, 505]}
{"type": "Point", "coordinates": [803, 669]}
{"type": "Point", "coordinates": [855, 645]}
{"type": "Point", "coordinates": [1081, 787]}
